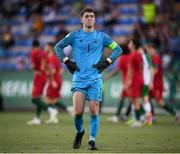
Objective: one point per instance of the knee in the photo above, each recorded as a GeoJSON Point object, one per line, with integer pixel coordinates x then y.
{"type": "Point", "coordinates": [161, 103]}
{"type": "Point", "coordinates": [78, 113]}
{"type": "Point", "coordinates": [34, 101]}
{"type": "Point", "coordinates": [94, 109]}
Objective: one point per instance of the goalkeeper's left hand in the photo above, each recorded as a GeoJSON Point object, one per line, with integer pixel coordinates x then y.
{"type": "Point", "coordinates": [102, 65]}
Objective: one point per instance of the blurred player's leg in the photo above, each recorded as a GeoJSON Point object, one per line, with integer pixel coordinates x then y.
{"type": "Point", "coordinates": [60, 105]}
{"type": "Point", "coordinates": [37, 91]}
{"type": "Point", "coordinates": [128, 112]}
{"type": "Point", "coordinates": [53, 112]}
{"type": "Point", "coordinates": [120, 106]}
{"type": "Point", "coordinates": [40, 106]}
{"type": "Point", "coordinates": [135, 97]}
{"type": "Point", "coordinates": [159, 98]}
{"type": "Point", "coordinates": [52, 98]}
{"type": "Point", "coordinates": [138, 112]}
{"type": "Point", "coordinates": [147, 106]}
{"type": "Point", "coordinates": [115, 118]}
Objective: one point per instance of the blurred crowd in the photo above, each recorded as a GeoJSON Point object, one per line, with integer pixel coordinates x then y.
{"type": "Point", "coordinates": [21, 21]}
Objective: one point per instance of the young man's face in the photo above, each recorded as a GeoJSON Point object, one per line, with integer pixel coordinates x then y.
{"type": "Point", "coordinates": [130, 45]}
{"type": "Point", "coordinates": [47, 49]}
{"type": "Point", "coordinates": [88, 19]}
{"type": "Point", "coordinates": [151, 50]}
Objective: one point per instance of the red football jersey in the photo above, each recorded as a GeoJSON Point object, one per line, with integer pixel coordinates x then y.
{"type": "Point", "coordinates": [54, 63]}
{"type": "Point", "coordinates": [158, 77]}
{"type": "Point", "coordinates": [36, 58]}
{"type": "Point", "coordinates": [136, 64]}
{"type": "Point", "coordinates": [136, 81]}
{"type": "Point", "coordinates": [122, 65]}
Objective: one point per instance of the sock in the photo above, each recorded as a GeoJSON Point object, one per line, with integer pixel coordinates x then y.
{"type": "Point", "coordinates": [39, 106]}
{"type": "Point", "coordinates": [40, 103]}
{"type": "Point", "coordinates": [78, 122]}
{"type": "Point", "coordinates": [168, 108]}
{"type": "Point", "coordinates": [51, 107]}
{"type": "Point", "coordinates": [141, 110]}
{"type": "Point", "coordinates": [147, 107]}
{"type": "Point", "coordinates": [128, 110]}
{"type": "Point", "coordinates": [137, 114]}
{"type": "Point", "coordinates": [152, 109]}
{"type": "Point", "coordinates": [120, 105]}
{"type": "Point", "coordinates": [61, 106]}
{"type": "Point", "coordinates": [94, 125]}
{"type": "Point", "coordinates": [133, 111]}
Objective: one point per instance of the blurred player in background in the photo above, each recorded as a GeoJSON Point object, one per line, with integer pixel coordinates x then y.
{"type": "Point", "coordinates": [54, 72]}
{"type": "Point", "coordinates": [121, 67]}
{"type": "Point", "coordinates": [87, 50]}
{"type": "Point", "coordinates": [147, 78]}
{"type": "Point", "coordinates": [38, 61]}
{"type": "Point", "coordinates": [157, 89]}
{"type": "Point", "coordinates": [134, 80]}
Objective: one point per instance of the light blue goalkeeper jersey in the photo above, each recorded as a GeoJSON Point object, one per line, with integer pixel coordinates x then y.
{"type": "Point", "coordinates": [87, 49]}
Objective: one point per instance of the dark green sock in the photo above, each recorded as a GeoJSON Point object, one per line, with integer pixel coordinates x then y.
{"type": "Point", "coordinates": [50, 105]}
{"type": "Point", "coordinates": [137, 114]}
{"type": "Point", "coordinates": [39, 106]}
{"type": "Point", "coordinates": [42, 104]}
{"type": "Point", "coordinates": [169, 109]}
{"type": "Point", "coordinates": [128, 109]}
{"type": "Point", "coordinates": [142, 111]}
{"type": "Point", "coordinates": [152, 108]}
{"type": "Point", "coordinates": [61, 105]}
{"type": "Point", "coordinates": [120, 105]}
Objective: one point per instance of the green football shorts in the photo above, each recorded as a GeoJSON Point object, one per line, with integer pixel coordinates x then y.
{"type": "Point", "coordinates": [145, 90]}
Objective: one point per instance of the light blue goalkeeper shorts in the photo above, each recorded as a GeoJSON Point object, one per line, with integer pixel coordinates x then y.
{"type": "Point", "coordinates": [91, 89]}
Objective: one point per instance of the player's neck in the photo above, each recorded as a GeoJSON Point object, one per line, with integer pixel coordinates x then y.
{"type": "Point", "coordinates": [36, 48]}
{"type": "Point", "coordinates": [88, 30]}
{"type": "Point", "coordinates": [50, 53]}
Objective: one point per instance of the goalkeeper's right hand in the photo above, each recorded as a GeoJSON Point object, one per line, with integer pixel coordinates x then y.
{"type": "Point", "coordinates": [72, 67]}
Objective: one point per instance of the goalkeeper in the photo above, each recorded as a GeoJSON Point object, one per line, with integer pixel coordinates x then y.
{"type": "Point", "coordinates": [86, 67]}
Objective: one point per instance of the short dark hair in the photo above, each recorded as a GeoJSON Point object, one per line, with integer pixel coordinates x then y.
{"type": "Point", "coordinates": [125, 48]}
{"type": "Point", "coordinates": [35, 43]}
{"type": "Point", "coordinates": [87, 10]}
{"type": "Point", "coordinates": [51, 44]}
{"type": "Point", "coordinates": [136, 43]}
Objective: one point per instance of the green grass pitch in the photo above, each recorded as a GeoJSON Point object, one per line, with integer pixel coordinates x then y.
{"type": "Point", "coordinates": [16, 136]}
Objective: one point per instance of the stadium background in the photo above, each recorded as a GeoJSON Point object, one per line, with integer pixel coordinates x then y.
{"type": "Point", "coordinates": [49, 20]}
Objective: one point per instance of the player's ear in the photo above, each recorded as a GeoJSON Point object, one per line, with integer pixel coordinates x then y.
{"type": "Point", "coordinates": [81, 20]}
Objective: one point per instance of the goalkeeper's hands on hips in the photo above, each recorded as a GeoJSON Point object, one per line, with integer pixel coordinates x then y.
{"type": "Point", "coordinates": [72, 67]}
{"type": "Point", "coordinates": [100, 66]}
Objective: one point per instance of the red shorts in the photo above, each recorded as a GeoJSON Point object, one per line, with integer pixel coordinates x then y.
{"type": "Point", "coordinates": [54, 92]}
{"type": "Point", "coordinates": [124, 93]}
{"type": "Point", "coordinates": [135, 88]}
{"type": "Point", "coordinates": [156, 93]}
{"type": "Point", "coordinates": [38, 84]}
